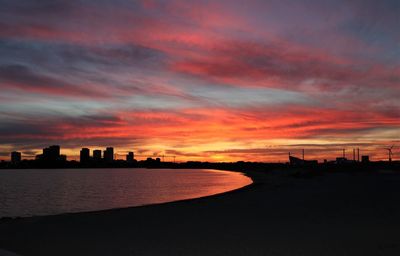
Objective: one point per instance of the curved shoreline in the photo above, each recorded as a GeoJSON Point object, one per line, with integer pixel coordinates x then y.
{"type": "Point", "coordinates": [329, 214]}
{"type": "Point", "coordinates": [137, 206]}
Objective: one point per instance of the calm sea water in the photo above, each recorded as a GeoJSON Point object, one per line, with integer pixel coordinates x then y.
{"type": "Point", "coordinates": [54, 191]}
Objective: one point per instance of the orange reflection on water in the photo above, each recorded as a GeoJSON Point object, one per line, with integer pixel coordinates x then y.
{"type": "Point", "coordinates": [55, 191]}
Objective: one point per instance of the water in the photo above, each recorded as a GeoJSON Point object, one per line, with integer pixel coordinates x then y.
{"type": "Point", "coordinates": [54, 191]}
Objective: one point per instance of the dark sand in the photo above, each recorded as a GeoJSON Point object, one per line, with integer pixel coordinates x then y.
{"type": "Point", "coordinates": [332, 214]}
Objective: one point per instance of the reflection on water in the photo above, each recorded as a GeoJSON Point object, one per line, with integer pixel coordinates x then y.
{"type": "Point", "coordinates": [45, 192]}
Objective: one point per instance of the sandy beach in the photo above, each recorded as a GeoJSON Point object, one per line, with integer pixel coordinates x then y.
{"type": "Point", "coordinates": [279, 214]}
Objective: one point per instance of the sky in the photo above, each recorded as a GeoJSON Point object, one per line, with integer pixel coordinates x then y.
{"type": "Point", "coordinates": [201, 80]}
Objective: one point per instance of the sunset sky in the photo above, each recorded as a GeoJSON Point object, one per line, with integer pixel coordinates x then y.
{"type": "Point", "coordinates": [201, 80]}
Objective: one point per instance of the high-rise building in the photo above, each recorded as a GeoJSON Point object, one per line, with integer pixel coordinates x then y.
{"type": "Point", "coordinates": [84, 155]}
{"type": "Point", "coordinates": [51, 153]}
{"type": "Point", "coordinates": [55, 151]}
{"type": "Point", "coordinates": [97, 154]}
{"type": "Point", "coordinates": [15, 157]}
{"type": "Point", "coordinates": [130, 157]}
{"type": "Point", "coordinates": [109, 154]}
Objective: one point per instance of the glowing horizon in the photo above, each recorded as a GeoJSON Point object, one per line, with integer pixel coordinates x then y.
{"type": "Point", "coordinates": [204, 80]}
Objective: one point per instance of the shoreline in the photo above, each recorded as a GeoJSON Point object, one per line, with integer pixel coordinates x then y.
{"type": "Point", "coordinates": [278, 214]}
{"type": "Point", "coordinates": [7, 218]}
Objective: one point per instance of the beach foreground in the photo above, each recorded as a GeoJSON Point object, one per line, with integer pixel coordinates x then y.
{"type": "Point", "coordinates": [329, 214]}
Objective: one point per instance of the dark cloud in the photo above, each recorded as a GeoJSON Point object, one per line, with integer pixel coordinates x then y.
{"type": "Point", "coordinates": [35, 7]}
{"type": "Point", "coordinates": [24, 78]}
{"type": "Point", "coordinates": [67, 69]}
{"type": "Point", "coordinates": [65, 56]}
{"type": "Point", "coordinates": [112, 55]}
{"type": "Point", "coordinates": [37, 131]}
{"type": "Point", "coordinates": [11, 130]}
{"type": "Point", "coordinates": [56, 126]}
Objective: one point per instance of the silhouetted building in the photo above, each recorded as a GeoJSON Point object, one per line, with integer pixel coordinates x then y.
{"type": "Point", "coordinates": [297, 161]}
{"type": "Point", "coordinates": [130, 157]}
{"type": "Point", "coordinates": [150, 162]}
{"type": "Point", "coordinates": [341, 160]}
{"type": "Point", "coordinates": [365, 159]}
{"type": "Point", "coordinates": [51, 153]}
{"type": "Point", "coordinates": [97, 154]}
{"type": "Point", "coordinates": [63, 158]}
{"type": "Point", "coordinates": [109, 154]}
{"type": "Point", "coordinates": [84, 155]}
{"type": "Point", "coordinates": [54, 151]}
{"type": "Point", "coordinates": [15, 157]}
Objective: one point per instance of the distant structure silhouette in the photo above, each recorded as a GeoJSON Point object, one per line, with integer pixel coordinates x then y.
{"type": "Point", "coordinates": [51, 158]}
{"type": "Point", "coordinates": [15, 157]}
{"type": "Point", "coordinates": [295, 161]}
{"type": "Point", "coordinates": [84, 155]}
{"type": "Point", "coordinates": [365, 159]}
{"type": "Point", "coordinates": [390, 153]}
{"type": "Point", "coordinates": [97, 155]}
{"type": "Point", "coordinates": [109, 154]}
{"type": "Point", "coordinates": [51, 154]}
{"type": "Point", "coordinates": [341, 160]}
{"type": "Point", "coordinates": [130, 157]}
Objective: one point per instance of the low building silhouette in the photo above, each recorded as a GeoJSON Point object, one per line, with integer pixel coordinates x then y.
{"type": "Point", "coordinates": [15, 157]}
{"type": "Point", "coordinates": [130, 157]}
{"type": "Point", "coordinates": [365, 159]}
{"type": "Point", "coordinates": [63, 158]}
{"type": "Point", "coordinates": [295, 161]}
{"type": "Point", "coordinates": [342, 160]}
